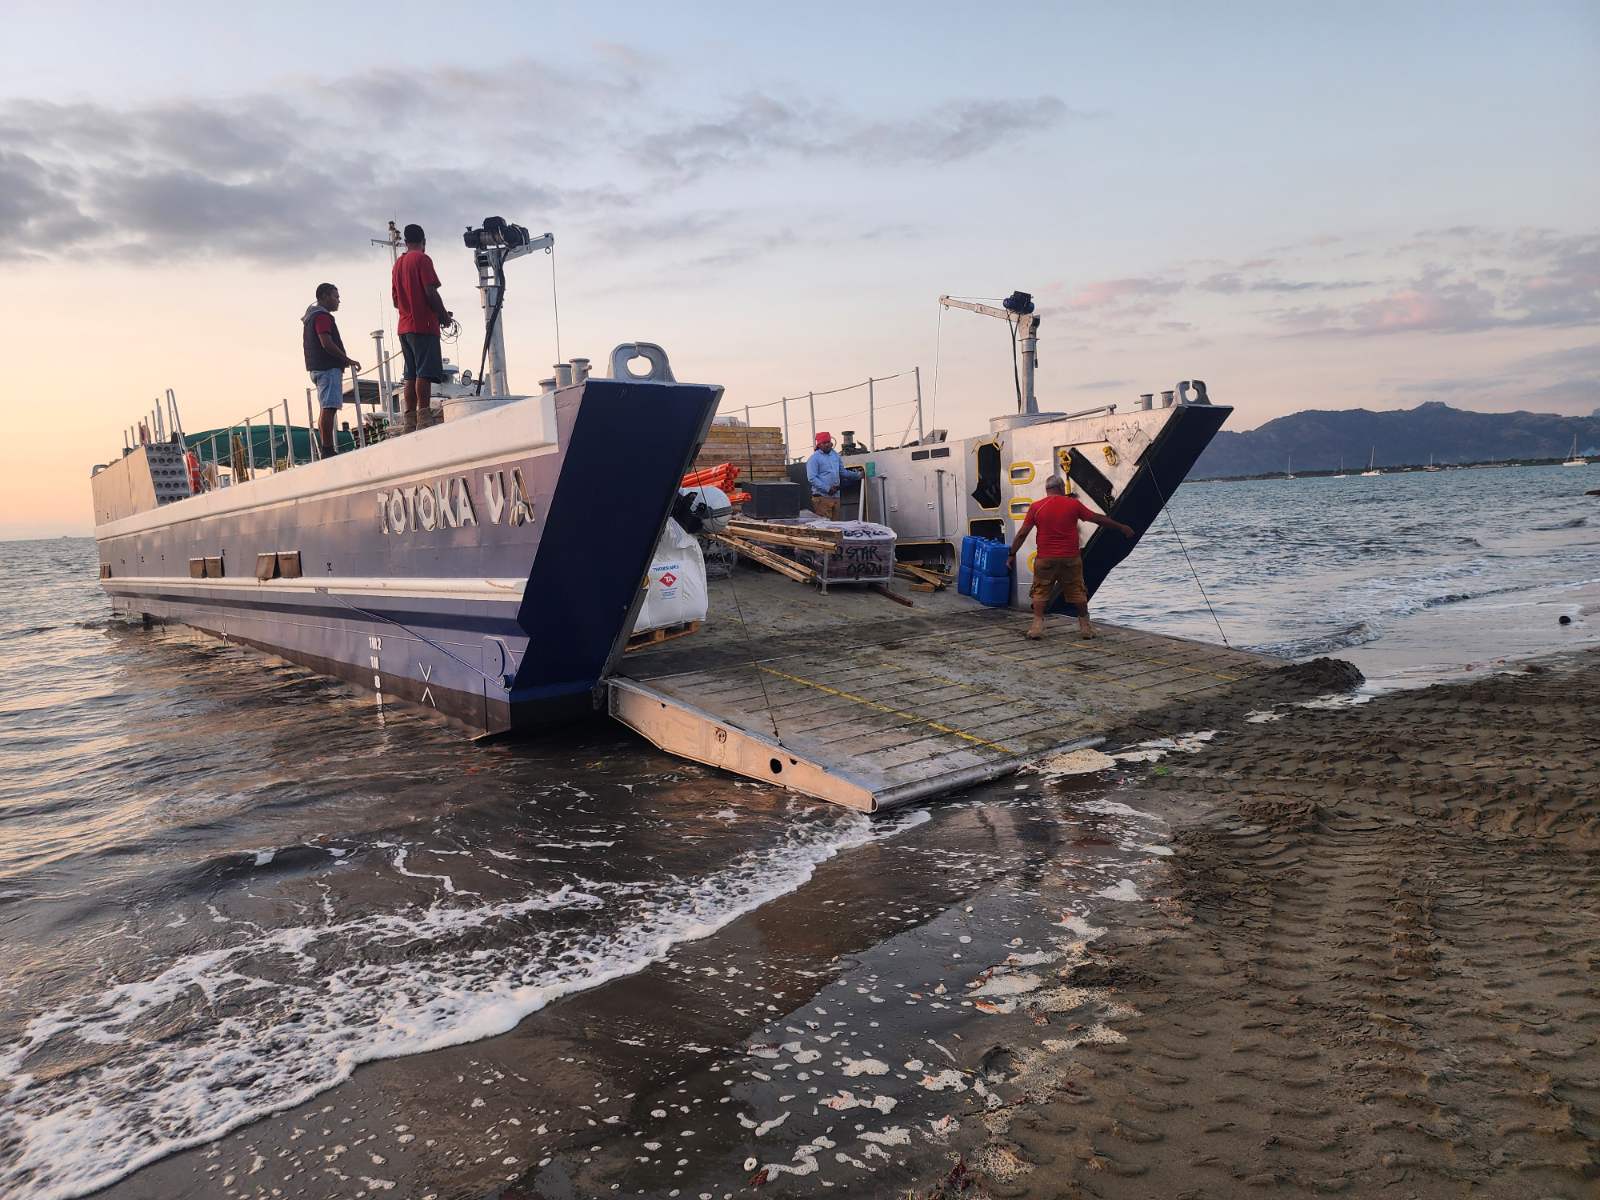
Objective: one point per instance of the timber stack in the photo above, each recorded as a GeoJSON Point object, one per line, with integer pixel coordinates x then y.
{"type": "Point", "coordinates": [757, 450]}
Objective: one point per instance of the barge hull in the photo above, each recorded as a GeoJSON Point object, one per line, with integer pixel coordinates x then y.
{"type": "Point", "coordinates": [487, 569]}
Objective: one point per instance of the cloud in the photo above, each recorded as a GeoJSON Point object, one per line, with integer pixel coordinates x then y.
{"type": "Point", "coordinates": [1566, 379]}
{"type": "Point", "coordinates": [315, 168]}
{"type": "Point", "coordinates": [757, 127]}
{"type": "Point", "coordinates": [1232, 283]}
{"type": "Point", "coordinates": [1114, 293]}
{"type": "Point", "coordinates": [1560, 289]}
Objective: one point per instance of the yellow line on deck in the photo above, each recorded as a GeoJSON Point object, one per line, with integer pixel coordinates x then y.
{"type": "Point", "coordinates": [894, 712]}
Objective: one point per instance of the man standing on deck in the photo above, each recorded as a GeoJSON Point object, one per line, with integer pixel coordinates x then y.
{"type": "Point", "coordinates": [422, 312]}
{"type": "Point", "coordinates": [326, 360]}
{"type": "Point", "coordinates": [1058, 563]}
{"type": "Point", "coordinates": [824, 472]}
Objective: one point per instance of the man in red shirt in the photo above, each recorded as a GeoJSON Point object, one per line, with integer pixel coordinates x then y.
{"type": "Point", "coordinates": [416, 296]}
{"type": "Point", "coordinates": [1058, 563]}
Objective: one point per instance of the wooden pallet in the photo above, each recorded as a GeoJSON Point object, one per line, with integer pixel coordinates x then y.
{"type": "Point", "coordinates": [654, 637]}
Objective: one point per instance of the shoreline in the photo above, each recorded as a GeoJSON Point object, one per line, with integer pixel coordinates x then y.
{"type": "Point", "coordinates": [1017, 982]}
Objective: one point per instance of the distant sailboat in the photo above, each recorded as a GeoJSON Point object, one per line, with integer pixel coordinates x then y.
{"type": "Point", "coordinates": [1289, 471]}
{"type": "Point", "coordinates": [1574, 460]}
{"type": "Point", "coordinates": [1341, 474]}
{"type": "Point", "coordinates": [1430, 466]}
{"type": "Point", "coordinates": [1371, 464]}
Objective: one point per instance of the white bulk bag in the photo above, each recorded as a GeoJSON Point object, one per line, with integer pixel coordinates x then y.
{"type": "Point", "coordinates": [675, 587]}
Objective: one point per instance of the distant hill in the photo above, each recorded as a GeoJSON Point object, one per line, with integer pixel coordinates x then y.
{"type": "Point", "coordinates": [1318, 437]}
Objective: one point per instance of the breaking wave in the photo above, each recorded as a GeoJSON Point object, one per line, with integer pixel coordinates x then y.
{"type": "Point", "coordinates": [105, 1083]}
{"type": "Point", "coordinates": [1357, 634]}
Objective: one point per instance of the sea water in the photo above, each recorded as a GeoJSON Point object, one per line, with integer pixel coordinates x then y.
{"type": "Point", "coordinates": [225, 883]}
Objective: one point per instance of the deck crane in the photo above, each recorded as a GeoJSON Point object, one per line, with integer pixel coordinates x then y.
{"type": "Point", "coordinates": [1016, 308]}
{"type": "Point", "coordinates": [493, 244]}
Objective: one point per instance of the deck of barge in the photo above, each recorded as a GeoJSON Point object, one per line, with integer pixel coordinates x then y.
{"type": "Point", "coordinates": [849, 698]}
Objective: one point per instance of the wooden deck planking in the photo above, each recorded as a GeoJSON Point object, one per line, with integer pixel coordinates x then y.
{"type": "Point", "coordinates": [903, 709]}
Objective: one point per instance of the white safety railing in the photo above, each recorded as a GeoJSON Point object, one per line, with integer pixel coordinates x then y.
{"type": "Point", "coordinates": [872, 411]}
{"type": "Point", "coordinates": [264, 441]}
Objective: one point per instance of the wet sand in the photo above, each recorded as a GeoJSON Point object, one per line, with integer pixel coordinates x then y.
{"type": "Point", "coordinates": [1371, 968]}
{"type": "Point", "coordinates": [1343, 948]}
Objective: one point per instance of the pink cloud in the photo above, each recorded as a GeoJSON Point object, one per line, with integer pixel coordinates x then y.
{"type": "Point", "coordinates": [1107, 293]}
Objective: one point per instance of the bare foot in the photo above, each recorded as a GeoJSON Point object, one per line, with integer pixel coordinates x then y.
{"type": "Point", "coordinates": [1035, 632]}
{"type": "Point", "coordinates": [1086, 632]}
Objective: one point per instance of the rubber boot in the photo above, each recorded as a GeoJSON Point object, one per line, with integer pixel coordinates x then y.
{"type": "Point", "coordinates": [409, 425]}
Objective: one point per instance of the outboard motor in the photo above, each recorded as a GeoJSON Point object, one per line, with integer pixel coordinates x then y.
{"type": "Point", "coordinates": [702, 510]}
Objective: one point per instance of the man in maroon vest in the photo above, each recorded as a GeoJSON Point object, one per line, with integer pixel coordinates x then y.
{"type": "Point", "coordinates": [416, 296]}
{"type": "Point", "coordinates": [325, 359]}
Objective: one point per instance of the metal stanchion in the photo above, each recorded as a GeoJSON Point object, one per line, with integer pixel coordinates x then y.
{"type": "Point", "coordinates": [872, 420]}
{"type": "Point", "coordinates": [355, 395]}
{"type": "Point", "coordinates": [917, 371]}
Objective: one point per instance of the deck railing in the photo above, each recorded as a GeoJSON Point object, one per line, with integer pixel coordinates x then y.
{"type": "Point", "coordinates": [264, 441]}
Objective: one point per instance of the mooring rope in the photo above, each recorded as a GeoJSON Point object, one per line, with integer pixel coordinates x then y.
{"type": "Point", "coordinates": [1166, 507]}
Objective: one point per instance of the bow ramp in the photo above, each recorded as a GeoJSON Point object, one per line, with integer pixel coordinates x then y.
{"type": "Point", "coordinates": [873, 714]}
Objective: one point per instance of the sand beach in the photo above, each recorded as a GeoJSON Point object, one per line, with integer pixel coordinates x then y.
{"type": "Point", "coordinates": [1368, 966]}
{"type": "Point", "coordinates": [1317, 946]}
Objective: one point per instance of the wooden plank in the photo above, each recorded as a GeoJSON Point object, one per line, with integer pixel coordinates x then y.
{"type": "Point", "coordinates": [810, 529]}
{"type": "Point", "coordinates": [783, 566]}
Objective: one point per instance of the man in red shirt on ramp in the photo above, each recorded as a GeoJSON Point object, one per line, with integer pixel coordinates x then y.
{"type": "Point", "coordinates": [415, 287]}
{"type": "Point", "coordinates": [1058, 563]}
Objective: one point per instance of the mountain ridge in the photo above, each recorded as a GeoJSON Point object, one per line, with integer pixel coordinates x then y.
{"type": "Point", "coordinates": [1319, 438]}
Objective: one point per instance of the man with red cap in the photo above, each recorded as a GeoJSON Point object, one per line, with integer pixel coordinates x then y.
{"type": "Point", "coordinates": [824, 471]}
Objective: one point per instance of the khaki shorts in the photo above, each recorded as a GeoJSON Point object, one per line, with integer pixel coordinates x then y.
{"type": "Point", "coordinates": [1063, 573]}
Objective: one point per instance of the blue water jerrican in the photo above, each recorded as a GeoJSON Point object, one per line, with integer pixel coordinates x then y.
{"type": "Point", "coordinates": [989, 560]}
{"type": "Point", "coordinates": [990, 576]}
{"type": "Point", "coordinates": [964, 580]}
{"type": "Point", "coordinates": [969, 549]}
{"type": "Point", "coordinates": [994, 591]}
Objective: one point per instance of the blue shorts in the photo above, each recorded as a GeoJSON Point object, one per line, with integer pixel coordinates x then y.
{"type": "Point", "coordinates": [423, 360]}
{"type": "Point", "coordinates": [330, 387]}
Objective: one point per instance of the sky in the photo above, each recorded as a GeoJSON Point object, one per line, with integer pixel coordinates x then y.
{"type": "Point", "coordinates": [1324, 205]}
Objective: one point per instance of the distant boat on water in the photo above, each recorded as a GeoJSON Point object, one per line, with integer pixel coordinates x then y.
{"type": "Point", "coordinates": [1574, 459]}
{"type": "Point", "coordinates": [1372, 460]}
{"type": "Point", "coordinates": [1288, 472]}
{"type": "Point", "coordinates": [1341, 474]}
{"type": "Point", "coordinates": [1430, 466]}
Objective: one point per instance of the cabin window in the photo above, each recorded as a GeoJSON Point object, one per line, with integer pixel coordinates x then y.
{"type": "Point", "coordinates": [987, 493]}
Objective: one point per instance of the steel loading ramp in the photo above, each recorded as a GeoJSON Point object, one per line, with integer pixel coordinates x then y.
{"type": "Point", "coordinates": [897, 712]}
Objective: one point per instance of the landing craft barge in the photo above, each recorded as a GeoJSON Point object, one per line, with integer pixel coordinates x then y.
{"type": "Point", "coordinates": [485, 567]}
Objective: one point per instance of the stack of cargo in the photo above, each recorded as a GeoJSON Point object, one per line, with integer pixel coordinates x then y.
{"type": "Point", "coordinates": [757, 450]}
{"type": "Point", "coordinates": [984, 573]}
{"type": "Point", "coordinates": [865, 553]}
